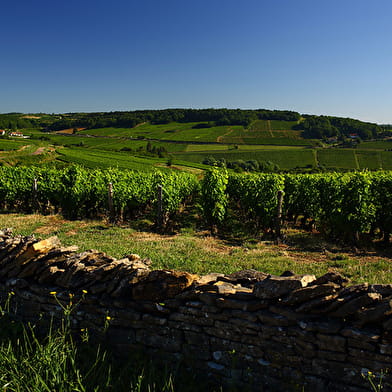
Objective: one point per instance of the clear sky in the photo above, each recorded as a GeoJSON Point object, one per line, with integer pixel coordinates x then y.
{"type": "Point", "coordinates": [313, 56]}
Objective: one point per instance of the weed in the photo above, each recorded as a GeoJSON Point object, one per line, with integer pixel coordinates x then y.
{"type": "Point", "coordinates": [375, 380]}
{"type": "Point", "coordinates": [63, 361]}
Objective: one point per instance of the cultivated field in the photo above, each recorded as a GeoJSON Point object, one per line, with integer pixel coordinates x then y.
{"type": "Point", "coordinates": [188, 144]}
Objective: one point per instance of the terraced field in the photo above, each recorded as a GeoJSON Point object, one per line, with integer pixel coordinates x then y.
{"type": "Point", "coordinates": [188, 145]}
{"type": "Point", "coordinates": [370, 160]}
{"type": "Point", "coordinates": [284, 158]}
{"type": "Point", "coordinates": [172, 131]}
{"type": "Point", "coordinates": [283, 138]}
{"type": "Point", "coordinates": [105, 159]}
{"type": "Point", "coordinates": [376, 145]}
{"type": "Point", "coordinates": [272, 125]}
{"type": "Point", "coordinates": [338, 158]}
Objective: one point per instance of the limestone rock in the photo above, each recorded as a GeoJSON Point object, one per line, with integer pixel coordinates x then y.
{"type": "Point", "coordinates": [37, 248]}
{"type": "Point", "coordinates": [317, 305]}
{"type": "Point", "coordinates": [384, 289]}
{"type": "Point", "coordinates": [376, 314]}
{"type": "Point", "coordinates": [161, 284]}
{"type": "Point", "coordinates": [310, 292]}
{"type": "Point", "coordinates": [356, 304]}
{"type": "Point", "coordinates": [331, 277]}
{"type": "Point", "coordinates": [274, 287]}
{"type": "Point", "coordinates": [206, 279]}
{"type": "Point", "coordinates": [133, 257]}
{"type": "Point", "coordinates": [246, 278]}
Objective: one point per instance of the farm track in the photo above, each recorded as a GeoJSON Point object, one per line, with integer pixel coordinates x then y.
{"type": "Point", "coordinates": [316, 160]}
{"type": "Point", "coordinates": [219, 139]}
{"type": "Point", "coordinates": [356, 160]}
{"type": "Point", "coordinates": [39, 151]}
{"type": "Point", "coordinates": [269, 128]}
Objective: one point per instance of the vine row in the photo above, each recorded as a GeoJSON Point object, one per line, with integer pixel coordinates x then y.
{"type": "Point", "coordinates": [344, 206]}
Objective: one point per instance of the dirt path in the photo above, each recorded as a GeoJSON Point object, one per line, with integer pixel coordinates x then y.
{"type": "Point", "coordinates": [24, 147]}
{"type": "Point", "coordinates": [138, 125]}
{"type": "Point", "coordinates": [219, 139]}
{"type": "Point", "coordinates": [316, 160]}
{"type": "Point", "coordinates": [39, 151]}
{"type": "Point", "coordinates": [356, 160]}
{"type": "Point", "coordinates": [269, 128]}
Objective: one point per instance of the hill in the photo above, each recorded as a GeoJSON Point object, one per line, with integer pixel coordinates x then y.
{"type": "Point", "coordinates": [240, 139]}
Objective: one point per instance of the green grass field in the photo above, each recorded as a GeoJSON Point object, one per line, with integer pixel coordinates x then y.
{"type": "Point", "coordinates": [240, 147]}
{"type": "Point", "coordinates": [376, 145]}
{"type": "Point", "coordinates": [284, 138]}
{"type": "Point", "coordinates": [172, 131]}
{"type": "Point", "coordinates": [15, 144]}
{"type": "Point", "coordinates": [197, 252]}
{"type": "Point", "coordinates": [224, 134]}
{"type": "Point", "coordinates": [274, 141]}
{"type": "Point", "coordinates": [108, 143]}
{"type": "Point", "coordinates": [105, 159]}
{"type": "Point", "coordinates": [274, 125]}
{"type": "Point", "coordinates": [369, 160]}
{"type": "Point", "coordinates": [286, 159]}
{"type": "Point", "coordinates": [337, 158]}
{"type": "Point", "coordinates": [386, 159]}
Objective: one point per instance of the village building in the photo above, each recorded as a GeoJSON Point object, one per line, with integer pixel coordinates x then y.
{"type": "Point", "coordinates": [18, 134]}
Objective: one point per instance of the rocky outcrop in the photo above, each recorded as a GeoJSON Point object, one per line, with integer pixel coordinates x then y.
{"type": "Point", "coordinates": [248, 329]}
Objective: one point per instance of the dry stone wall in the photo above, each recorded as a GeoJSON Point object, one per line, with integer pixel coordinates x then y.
{"type": "Point", "coordinates": [247, 330]}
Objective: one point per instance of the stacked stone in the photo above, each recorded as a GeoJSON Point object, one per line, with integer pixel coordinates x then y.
{"type": "Point", "coordinates": [250, 329]}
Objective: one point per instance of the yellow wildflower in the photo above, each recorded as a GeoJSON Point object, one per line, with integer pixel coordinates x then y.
{"type": "Point", "coordinates": [84, 291]}
{"type": "Point", "coordinates": [53, 293]}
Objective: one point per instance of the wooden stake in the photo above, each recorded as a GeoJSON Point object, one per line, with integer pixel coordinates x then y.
{"type": "Point", "coordinates": [278, 224]}
{"type": "Point", "coordinates": [159, 221]}
{"type": "Point", "coordinates": [35, 195]}
{"type": "Point", "coordinates": [110, 202]}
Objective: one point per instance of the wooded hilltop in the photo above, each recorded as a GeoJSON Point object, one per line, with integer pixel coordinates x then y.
{"type": "Point", "coordinates": [313, 126]}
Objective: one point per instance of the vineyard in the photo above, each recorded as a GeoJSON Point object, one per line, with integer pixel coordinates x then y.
{"type": "Point", "coordinates": [346, 206]}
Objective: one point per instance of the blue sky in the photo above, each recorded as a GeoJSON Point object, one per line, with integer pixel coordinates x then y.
{"type": "Point", "coordinates": [312, 56]}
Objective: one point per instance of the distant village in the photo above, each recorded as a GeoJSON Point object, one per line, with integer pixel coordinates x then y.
{"type": "Point", "coordinates": [13, 133]}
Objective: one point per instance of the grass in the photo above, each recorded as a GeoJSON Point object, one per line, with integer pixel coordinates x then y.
{"type": "Point", "coordinates": [369, 159]}
{"type": "Point", "coordinates": [31, 152]}
{"type": "Point", "coordinates": [286, 158]}
{"type": "Point", "coordinates": [64, 362]}
{"type": "Point", "coordinates": [275, 125]}
{"type": "Point", "coordinates": [105, 159]}
{"type": "Point", "coordinates": [334, 158]}
{"type": "Point", "coordinates": [240, 147]}
{"type": "Point", "coordinates": [259, 133]}
{"type": "Point", "coordinates": [108, 143]}
{"type": "Point", "coordinates": [376, 145]}
{"type": "Point", "coordinates": [274, 141]}
{"type": "Point", "coordinates": [386, 159]}
{"type": "Point", "coordinates": [281, 137]}
{"type": "Point", "coordinates": [9, 144]}
{"type": "Point", "coordinates": [69, 362]}
{"type": "Point", "coordinates": [172, 131]}
{"type": "Point", "coordinates": [193, 250]}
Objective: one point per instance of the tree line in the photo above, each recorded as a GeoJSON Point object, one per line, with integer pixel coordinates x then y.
{"type": "Point", "coordinates": [17, 121]}
{"type": "Point", "coordinates": [324, 127]}
{"type": "Point", "coordinates": [131, 119]}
